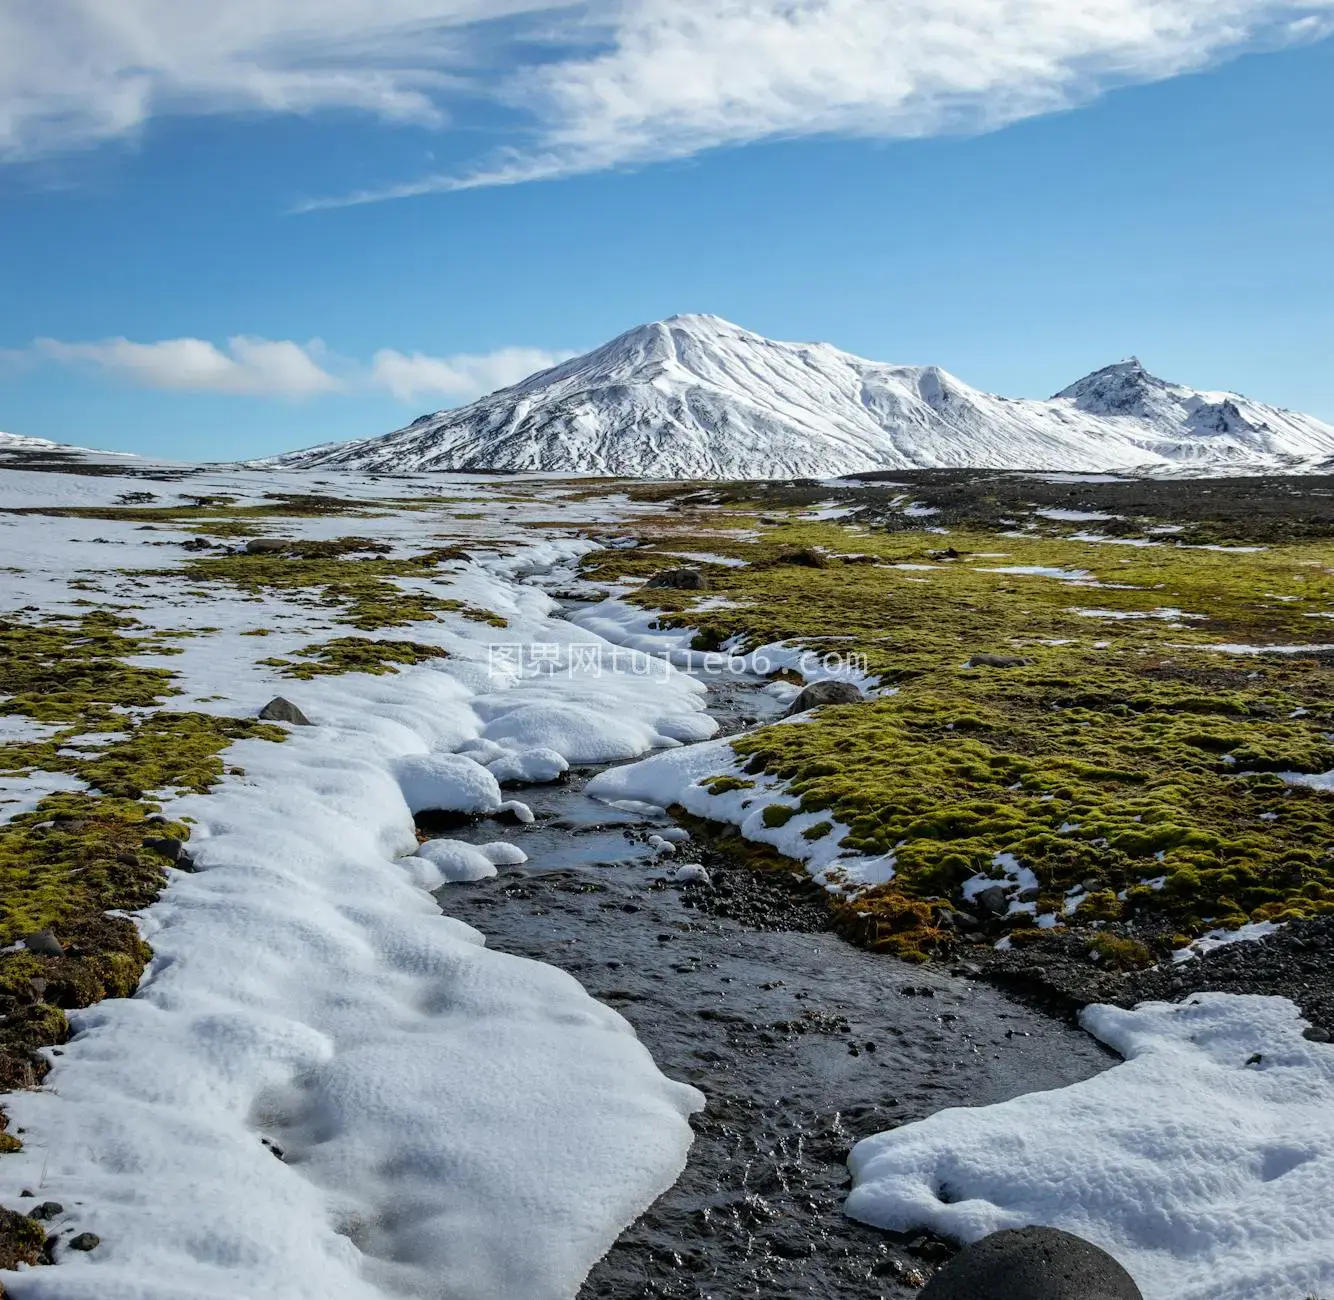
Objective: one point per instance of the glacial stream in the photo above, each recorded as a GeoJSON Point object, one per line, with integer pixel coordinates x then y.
{"type": "Point", "coordinates": [802, 1043]}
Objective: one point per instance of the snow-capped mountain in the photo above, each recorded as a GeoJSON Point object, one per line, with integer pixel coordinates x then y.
{"type": "Point", "coordinates": [22, 444]}
{"type": "Point", "coordinates": [698, 397]}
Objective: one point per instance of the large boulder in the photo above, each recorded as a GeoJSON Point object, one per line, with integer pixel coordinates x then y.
{"type": "Point", "coordinates": [818, 693]}
{"type": "Point", "coordinates": [267, 546]}
{"type": "Point", "coordinates": [1032, 1264]}
{"type": "Point", "coordinates": [679, 580]}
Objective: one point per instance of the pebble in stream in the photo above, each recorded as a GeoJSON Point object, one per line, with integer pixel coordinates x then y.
{"type": "Point", "coordinates": [802, 1043]}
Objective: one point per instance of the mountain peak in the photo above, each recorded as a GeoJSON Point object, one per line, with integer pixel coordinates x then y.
{"type": "Point", "coordinates": [695, 396]}
{"type": "Point", "coordinates": [1123, 388]}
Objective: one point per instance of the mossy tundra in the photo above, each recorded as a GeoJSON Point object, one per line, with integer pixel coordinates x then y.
{"type": "Point", "coordinates": [1125, 762]}
{"type": "Point", "coordinates": [82, 854]}
{"type": "Point", "coordinates": [350, 578]}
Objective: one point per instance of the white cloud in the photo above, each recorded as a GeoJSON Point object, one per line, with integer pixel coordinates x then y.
{"type": "Point", "coordinates": [605, 83]}
{"type": "Point", "coordinates": [409, 376]}
{"type": "Point", "coordinates": [675, 77]}
{"type": "Point", "coordinates": [75, 72]}
{"type": "Point", "coordinates": [281, 368]}
{"type": "Point", "coordinates": [249, 365]}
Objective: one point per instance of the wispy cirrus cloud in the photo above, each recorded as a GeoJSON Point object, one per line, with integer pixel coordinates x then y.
{"type": "Point", "coordinates": [610, 82]}
{"type": "Point", "coordinates": [256, 367]}
{"type": "Point", "coordinates": [79, 72]}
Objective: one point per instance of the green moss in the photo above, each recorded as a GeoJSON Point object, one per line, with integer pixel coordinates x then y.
{"type": "Point", "coordinates": [60, 672]}
{"type": "Point", "coordinates": [364, 590]}
{"type": "Point", "coordinates": [82, 855]}
{"type": "Point", "coordinates": [1122, 750]}
{"type": "Point", "coordinates": [176, 751]}
{"type": "Point", "coordinates": [777, 814]}
{"type": "Point", "coordinates": [1115, 953]}
{"type": "Point", "coordinates": [727, 784]}
{"type": "Point", "coordinates": [22, 1241]}
{"type": "Point", "coordinates": [355, 654]}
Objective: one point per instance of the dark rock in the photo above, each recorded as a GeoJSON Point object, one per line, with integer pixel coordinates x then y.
{"type": "Point", "coordinates": [1317, 1035]}
{"type": "Point", "coordinates": [171, 848]}
{"type": "Point", "coordinates": [85, 1241]}
{"type": "Point", "coordinates": [952, 919]}
{"type": "Point", "coordinates": [679, 580]}
{"type": "Point", "coordinates": [266, 546]}
{"type": "Point", "coordinates": [46, 1210]}
{"type": "Point", "coordinates": [993, 899]}
{"type": "Point", "coordinates": [931, 1249]}
{"type": "Point", "coordinates": [196, 544]}
{"type": "Point", "coordinates": [806, 557]}
{"type": "Point", "coordinates": [279, 709]}
{"type": "Point", "coordinates": [818, 693]}
{"type": "Point", "coordinates": [1032, 1264]}
{"type": "Point", "coordinates": [44, 944]}
{"type": "Point", "coordinates": [997, 661]}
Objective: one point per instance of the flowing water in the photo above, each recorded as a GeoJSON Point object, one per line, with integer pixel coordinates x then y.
{"type": "Point", "coordinates": [801, 1042]}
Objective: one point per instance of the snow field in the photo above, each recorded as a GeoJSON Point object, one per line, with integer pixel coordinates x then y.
{"type": "Point", "coordinates": [452, 1122]}
{"type": "Point", "coordinates": [1204, 1163]}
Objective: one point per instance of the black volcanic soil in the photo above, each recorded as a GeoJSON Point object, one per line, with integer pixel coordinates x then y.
{"type": "Point", "coordinates": [802, 1043]}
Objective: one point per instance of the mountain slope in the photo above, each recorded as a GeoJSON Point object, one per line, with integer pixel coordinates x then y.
{"type": "Point", "coordinates": [698, 397]}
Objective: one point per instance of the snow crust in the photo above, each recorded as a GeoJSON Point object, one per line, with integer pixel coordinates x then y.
{"type": "Point", "coordinates": [699, 397]}
{"type": "Point", "coordinates": [1204, 1162]}
{"type": "Point", "coordinates": [453, 1122]}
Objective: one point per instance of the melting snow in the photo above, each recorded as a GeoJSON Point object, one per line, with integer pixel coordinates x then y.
{"type": "Point", "coordinates": [1204, 1162]}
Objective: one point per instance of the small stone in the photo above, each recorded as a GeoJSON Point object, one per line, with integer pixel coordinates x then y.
{"type": "Point", "coordinates": [951, 919]}
{"type": "Point", "coordinates": [44, 944]}
{"type": "Point", "coordinates": [1032, 1264]}
{"type": "Point", "coordinates": [46, 1210]}
{"type": "Point", "coordinates": [169, 846]}
{"type": "Point", "coordinates": [821, 693]}
{"type": "Point", "coordinates": [85, 1241]}
{"type": "Point", "coordinates": [993, 899]}
{"type": "Point", "coordinates": [1029, 895]}
{"type": "Point", "coordinates": [266, 546]}
{"type": "Point", "coordinates": [279, 709]}
{"type": "Point", "coordinates": [1317, 1035]}
{"type": "Point", "coordinates": [679, 580]}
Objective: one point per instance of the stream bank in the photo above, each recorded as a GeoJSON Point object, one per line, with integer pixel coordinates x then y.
{"type": "Point", "coordinates": [802, 1043]}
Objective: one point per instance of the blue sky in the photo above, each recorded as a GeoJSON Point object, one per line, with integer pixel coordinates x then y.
{"type": "Point", "coordinates": [1019, 207]}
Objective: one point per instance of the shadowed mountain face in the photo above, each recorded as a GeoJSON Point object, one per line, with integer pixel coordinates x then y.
{"type": "Point", "coordinates": [698, 397]}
